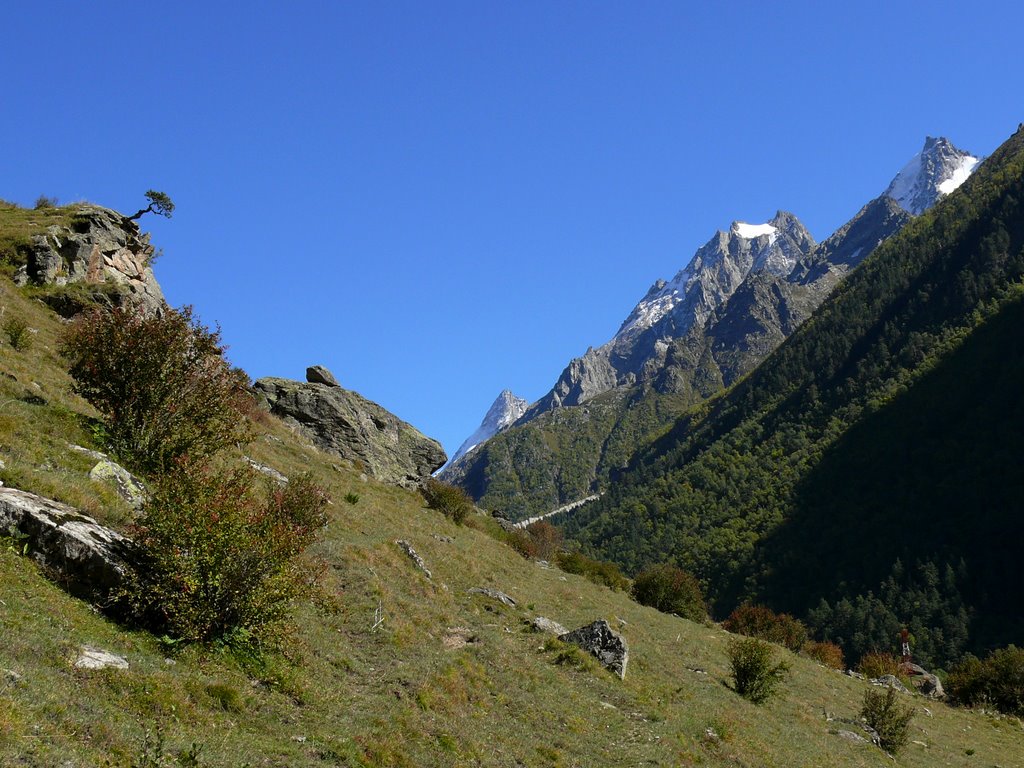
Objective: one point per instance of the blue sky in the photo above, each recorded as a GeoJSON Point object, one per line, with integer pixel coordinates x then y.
{"type": "Point", "coordinates": [441, 200]}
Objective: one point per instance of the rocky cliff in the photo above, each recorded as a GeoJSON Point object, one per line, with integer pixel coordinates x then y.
{"type": "Point", "coordinates": [345, 423]}
{"type": "Point", "coordinates": [97, 247]}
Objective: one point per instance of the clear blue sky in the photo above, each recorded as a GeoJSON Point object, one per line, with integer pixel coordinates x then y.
{"type": "Point", "coordinates": [440, 200]}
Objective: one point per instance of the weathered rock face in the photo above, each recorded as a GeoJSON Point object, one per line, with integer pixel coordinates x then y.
{"type": "Point", "coordinates": [100, 246]}
{"type": "Point", "coordinates": [88, 559]}
{"type": "Point", "coordinates": [347, 424]}
{"type": "Point", "coordinates": [602, 642]}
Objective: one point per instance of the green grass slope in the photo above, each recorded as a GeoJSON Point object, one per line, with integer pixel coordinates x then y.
{"type": "Point", "coordinates": [445, 679]}
{"type": "Point", "coordinates": [913, 360]}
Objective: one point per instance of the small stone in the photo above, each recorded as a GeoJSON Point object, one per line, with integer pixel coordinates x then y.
{"type": "Point", "coordinates": [299, 739]}
{"type": "Point", "coordinates": [317, 374]}
{"type": "Point", "coordinates": [11, 676]}
{"type": "Point", "coordinates": [263, 469]}
{"type": "Point", "coordinates": [542, 624]}
{"type": "Point", "coordinates": [494, 594]}
{"type": "Point", "coordinates": [414, 556]}
{"type": "Point", "coordinates": [96, 658]}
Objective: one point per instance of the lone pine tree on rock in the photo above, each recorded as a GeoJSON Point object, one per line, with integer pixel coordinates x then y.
{"type": "Point", "coordinates": [159, 203]}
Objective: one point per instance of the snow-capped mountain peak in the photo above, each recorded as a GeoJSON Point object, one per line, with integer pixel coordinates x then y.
{"type": "Point", "coordinates": [938, 169]}
{"type": "Point", "coordinates": [504, 411]}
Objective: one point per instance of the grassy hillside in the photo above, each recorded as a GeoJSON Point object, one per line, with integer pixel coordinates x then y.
{"type": "Point", "coordinates": [447, 678]}
{"type": "Point", "coordinates": [880, 369]}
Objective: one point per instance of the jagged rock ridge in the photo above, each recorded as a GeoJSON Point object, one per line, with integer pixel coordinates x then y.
{"type": "Point", "coordinates": [345, 423]}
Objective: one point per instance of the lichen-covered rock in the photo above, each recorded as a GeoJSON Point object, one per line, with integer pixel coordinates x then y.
{"type": "Point", "coordinates": [602, 642]}
{"type": "Point", "coordinates": [129, 487]}
{"type": "Point", "coordinates": [100, 246]}
{"type": "Point", "coordinates": [88, 559]}
{"type": "Point", "coordinates": [345, 423]}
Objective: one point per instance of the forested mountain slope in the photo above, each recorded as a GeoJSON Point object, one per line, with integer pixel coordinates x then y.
{"type": "Point", "coordinates": [850, 446]}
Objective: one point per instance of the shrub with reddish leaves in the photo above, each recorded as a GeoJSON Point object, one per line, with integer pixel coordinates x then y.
{"type": "Point", "coordinates": [220, 552]}
{"type": "Point", "coordinates": [764, 623]}
{"type": "Point", "coordinates": [161, 383]}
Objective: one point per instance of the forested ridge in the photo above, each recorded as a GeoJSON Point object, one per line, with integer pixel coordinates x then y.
{"type": "Point", "coordinates": [879, 442]}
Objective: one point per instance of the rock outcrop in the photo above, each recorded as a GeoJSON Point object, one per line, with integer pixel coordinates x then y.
{"type": "Point", "coordinates": [86, 558]}
{"type": "Point", "coordinates": [604, 643]}
{"type": "Point", "coordinates": [98, 247]}
{"type": "Point", "coordinates": [345, 423]}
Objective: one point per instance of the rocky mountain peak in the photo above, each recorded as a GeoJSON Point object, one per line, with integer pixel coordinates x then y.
{"type": "Point", "coordinates": [504, 411]}
{"type": "Point", "coordinates": [938, 169]}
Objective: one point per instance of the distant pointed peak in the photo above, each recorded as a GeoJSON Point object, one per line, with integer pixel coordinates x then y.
{"type": "Point", "coordinates": [938, 169]}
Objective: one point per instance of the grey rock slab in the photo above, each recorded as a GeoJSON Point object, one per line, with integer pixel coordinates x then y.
{"type": "Point", "coordinates": [97, 658]}
{"type": "Point", "coordinates": [88, 559]}
{"type": "Point", "coordinates": [602, 642]}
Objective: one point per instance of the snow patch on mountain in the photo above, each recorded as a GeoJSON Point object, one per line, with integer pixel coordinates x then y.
{"type": "Point", "coordinates": [751, 231]}
{"type": "Point", "coordinates": [960, 174]}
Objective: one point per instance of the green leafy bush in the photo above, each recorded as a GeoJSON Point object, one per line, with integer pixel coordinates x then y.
{"type": "Point", "coordinates": [888, 717]}
{"type": "Point", "coordinates": [758, 621]}
{"type": "Point", "coordinates": [998, 681]}
{"type": "Point", "coordinates": [17, 333]}
{"type": "Point", "coordinates": [352, 498]}
{"type": "Point", "coordinates": [597, 571]}
{"type": "Point", "coordinates": [218, 557]}
{"type": "Point", "coordinates": [162, 384]}
{"type": "Point", "coordinates": [754, 672]}
{"type": "Point", "coordinates": [450, 500]}
{"type": "Point", "coordinates": [670, 589]}
{"type": "Point", "coordinates": [829, 654]}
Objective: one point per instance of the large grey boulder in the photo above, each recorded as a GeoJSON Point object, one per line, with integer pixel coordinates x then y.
{"type": "Point", "coordinates": [87, 559]}
{"type": "Point", "coordinates": [925, 682]}
{"type": "Point", "coordinates": [602, 642]}
{"type": "Point", "coordinates": [345, 423]}
{"type": "Point", "coordinates": [317, 374]}
{"type": "Point", "coordinates": [98, 246]}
